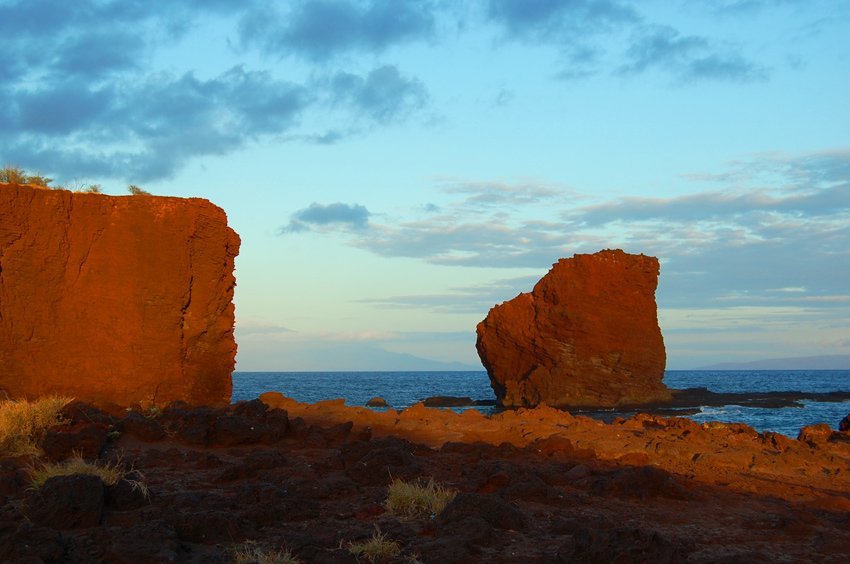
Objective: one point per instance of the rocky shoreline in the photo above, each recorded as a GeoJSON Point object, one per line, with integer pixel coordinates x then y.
{"type": "Point", "coordinates": [535, 485]}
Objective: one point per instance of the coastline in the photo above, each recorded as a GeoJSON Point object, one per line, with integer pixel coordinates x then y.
{"type": "Point", "coordinates": [534, 485]}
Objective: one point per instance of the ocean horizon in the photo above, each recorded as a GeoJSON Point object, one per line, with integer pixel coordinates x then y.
{"type": "Point", "coordinates": [402, 389]}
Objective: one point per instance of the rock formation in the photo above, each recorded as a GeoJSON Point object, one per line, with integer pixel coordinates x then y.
{"type": "Point", "coordinates": [587, 335]}
{"type": "Point", "coordinates": [115, 299]}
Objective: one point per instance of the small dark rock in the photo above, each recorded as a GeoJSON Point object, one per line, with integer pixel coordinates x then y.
{"type": "Point", "coordinates": [265, 459]}
{"type": "Point", "coordinates": [254, 409]}
{"type": "Point", "coordinates": [494, 510]}
{"type": "Point", "coordinates": [377, 402]}
{"type": "Point", "coordinates": [153, 541]}
{"type": "Point", "coordinates": [448, 401]}
{"type": "Point", "coordinates": [207, 527]}
{"type": "Point", "coordinates": [844, 426]}
{"type": "Point", "coordinates": [642, 482]}
{"type": "Point", "coordinates": [229, 430]}
{"type": "Point", "coordinates": [620, 545]}
{"type": "Point", "coordinates": [68, 502]}
{"type": "Point", "coordinates": [84, 439]}
{"type": "Point", "coordinates": [127, 493]}
{"type": "Point", "coordinates": [31, 543]}
{"type": "Point", "coordinates": [82, 412]}
{"type": "Point", "coordinates": [380, 464]}
{"type": "Point", "coordinates": [144, 429]}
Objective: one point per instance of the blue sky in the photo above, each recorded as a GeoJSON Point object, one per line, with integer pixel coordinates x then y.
{"type": "Point", "coordinates": [396, 168]}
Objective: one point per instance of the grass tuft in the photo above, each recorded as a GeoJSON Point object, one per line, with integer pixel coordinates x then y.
{"type": "Point", "coordinates": [23, 423]}
{"type": "Point", "coordinates": [251, 553]}
{"type": "Point", "coordinates": [136, 191]}
{"type": "Point", "coordinates": [376, 549]}
{"type": "Point", "coordinates": [110, 474]}
{"type": "Point", "coordinates": [413, 499]}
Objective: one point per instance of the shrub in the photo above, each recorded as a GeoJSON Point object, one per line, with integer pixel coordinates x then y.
{"type": "Point", "coordinates": [13, 175]}
{"type": "Point", "coordinates": [23, 423]}
{"type": "Point", "coordinates": [412, 499]}
{"type": "Point", "coordinates": [93, 189]}
{"type": "Point", "coordinates": [376, 549]}
{"type": "Point", "coordinates": [136, 191]}
{"type": "Point", "coordinates": [16, 175]}
{"type": "Point", "coordinates": [110, 474]}
{"type": "Point", "coordinates": [250, 552]}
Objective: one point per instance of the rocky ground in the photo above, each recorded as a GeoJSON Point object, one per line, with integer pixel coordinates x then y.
{"type": "Point", "coordinates": [535, 486]}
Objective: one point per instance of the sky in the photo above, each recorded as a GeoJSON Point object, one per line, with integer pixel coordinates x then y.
{"type": "Point", "coordinates": [396, 168]}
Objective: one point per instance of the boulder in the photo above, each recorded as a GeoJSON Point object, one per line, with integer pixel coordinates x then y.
{"type": "Point", "coordinates": [844, 425]}
{"type": "Point", "coordinates": [125, 300]}
{"type": "Point", "coordinates": [377, 402]}
{"type": "Point", "coordinates": [587, 335]}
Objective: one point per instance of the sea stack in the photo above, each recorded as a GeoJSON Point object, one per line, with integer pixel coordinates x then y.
{"type": "Point", "coordinates": [121, 299]}
{"type": "Point", "coordinates": [586, 336]}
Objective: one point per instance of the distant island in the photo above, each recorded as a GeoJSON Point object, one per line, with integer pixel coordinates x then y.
{"type": "Point", "coordinates": [826, 362]}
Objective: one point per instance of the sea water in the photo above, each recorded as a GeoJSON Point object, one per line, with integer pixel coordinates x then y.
{"type": "Point", "coordinates": [403, 389]}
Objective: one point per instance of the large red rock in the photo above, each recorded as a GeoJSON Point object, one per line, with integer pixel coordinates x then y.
{"type": "Point", "coordinates": [118, 299]}
{"type": "Point", "coordinates": [587, 335]}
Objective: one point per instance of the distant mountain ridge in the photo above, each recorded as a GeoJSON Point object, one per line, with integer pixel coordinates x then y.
{"type": "Point", "coordinates": [826, 362]}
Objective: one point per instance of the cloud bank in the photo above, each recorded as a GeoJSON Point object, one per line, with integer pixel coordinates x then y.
{"type": "Point", "coordinates": [93, 102]}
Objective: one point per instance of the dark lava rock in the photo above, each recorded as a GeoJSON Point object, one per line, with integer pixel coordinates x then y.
{"type": "Point", "coordinates": [844, 426]}
{"type": "Point", "coordinates": [376, 463]}
{"type": "Point", "coordinates": [642, 482]}
{"type": "Point", "coordinates": [448, 401]}
{"type": "Point", "coordinates": [141, 427]}
{"type": "Point", "coordinates": [128, 493]}
{"type": "Point", "coordinates": [30, 543]}
{"type": "Point", "coordinates": [620, 545]}
{"type": "Point", "coordinates": [82, 412]}
{"type": "Point", "coordinates": [84, 439]}
{"type": "Point", "coordinates": [494, 510]}
{"type": "Point", "coordinates": [152, 541]}
{"type": "Point", "coordinates": [377, 402]}
{"type": "Point", "coordinates": [68, 502]}
{"type": "Point", "coordinates": [207, 527]}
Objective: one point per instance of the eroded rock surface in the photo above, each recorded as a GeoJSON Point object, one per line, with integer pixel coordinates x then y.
{"type": "Point", "coordinates": [115, 299]}
{"type": "Point", "coordinates": [587, 335]}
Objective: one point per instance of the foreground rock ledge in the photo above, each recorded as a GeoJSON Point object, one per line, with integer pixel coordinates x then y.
{"type": "Point", "coordinates": [586, 336]}
{"type": "Point", "coordinates": [534, 486]}
{"type": "Point", "coordinates": [115, 299]}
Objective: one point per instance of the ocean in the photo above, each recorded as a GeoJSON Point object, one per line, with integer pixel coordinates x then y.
{"type": "Point", "coordinates": [403, 389]}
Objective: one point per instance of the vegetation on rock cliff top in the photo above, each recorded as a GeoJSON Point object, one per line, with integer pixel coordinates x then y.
{"type": "Point", "coordinates": [11, 174]}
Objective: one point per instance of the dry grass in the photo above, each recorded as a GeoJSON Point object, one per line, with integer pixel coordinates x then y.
{"type": "Point", "coordinates": [376, 549]}
{"type": "Point", "coordinates": [413, 499]}
{"type": "Point", "coordinates": [110, 474]}
{"type": "Point", "coordinates": [23, 423]}
{"type": "Point", "coordinates": [251, 553]}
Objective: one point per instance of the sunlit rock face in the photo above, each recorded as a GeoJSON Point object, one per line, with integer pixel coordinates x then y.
{"type": "Point", "coordinates": [587, 335]}
{"type": "Point", "coordinates": [123, 299]}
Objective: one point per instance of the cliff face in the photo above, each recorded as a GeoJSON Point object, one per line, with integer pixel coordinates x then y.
{"type": "Point", "coordinates": [122, 299]}
{"type": "Point", "coordinates": [587, 335]}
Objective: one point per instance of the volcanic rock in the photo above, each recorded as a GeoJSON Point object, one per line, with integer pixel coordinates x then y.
{"type": "Point", "coordinates": [845, 424]}
{"type": "Point", "coordinates": [587, 335]}
{"type": "Point", "coordinates": [115, 299]}
{"type": "Point", "coordinates": [377, 402]}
